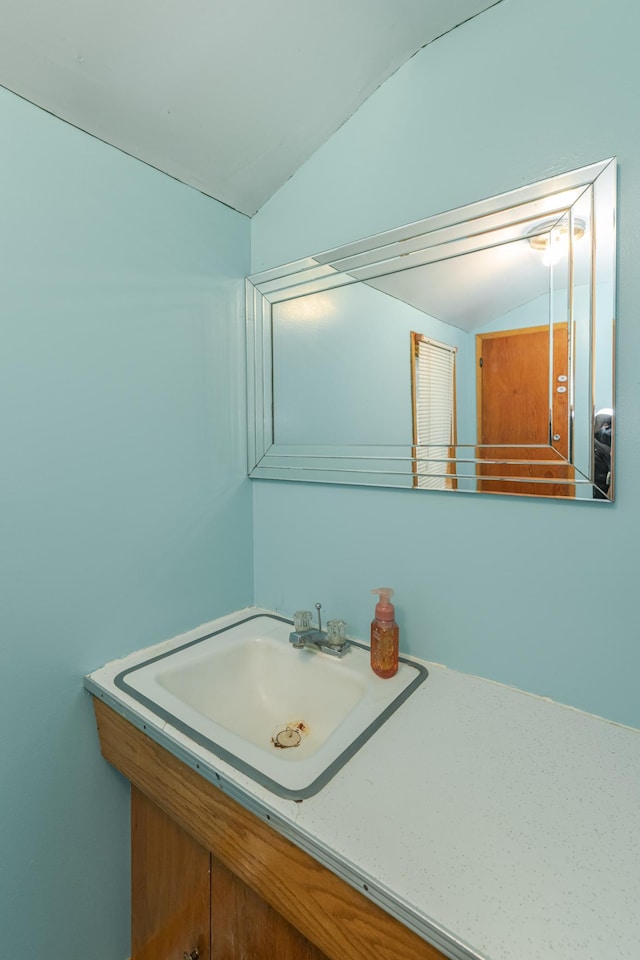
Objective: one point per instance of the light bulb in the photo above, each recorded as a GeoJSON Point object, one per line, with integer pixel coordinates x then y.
{"type": "Point", "coordinates": [557, 248]}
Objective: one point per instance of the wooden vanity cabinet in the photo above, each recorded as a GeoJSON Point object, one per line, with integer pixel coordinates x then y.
{"type": "Point", "coordinates": [170, 887]}
{"type": "Point", "coordinates": [184, 901]}
{"type": "Point", "coordinates": [214, 881]}
{"type": "Point", "coordinates": [243, 925]}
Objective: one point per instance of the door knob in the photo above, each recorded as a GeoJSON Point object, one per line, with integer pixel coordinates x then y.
{"type": "Point", "coordinates": [194, 955]}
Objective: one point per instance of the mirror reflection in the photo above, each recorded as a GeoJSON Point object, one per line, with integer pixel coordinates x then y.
{"type": "Point", "coordinates": [469, 352]}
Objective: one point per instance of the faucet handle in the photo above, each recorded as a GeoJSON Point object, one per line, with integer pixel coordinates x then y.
{"type": "Point", "coordinates": [302, 621]}
{"type": "Point", "coordinates": [336, 633]}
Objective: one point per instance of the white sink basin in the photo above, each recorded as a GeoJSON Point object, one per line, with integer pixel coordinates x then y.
{"type": "Point", "coordinates": [288, 718]}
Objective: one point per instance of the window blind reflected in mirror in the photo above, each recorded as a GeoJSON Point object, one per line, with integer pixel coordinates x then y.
{"type": "Point", "coordinates": [434, 412]}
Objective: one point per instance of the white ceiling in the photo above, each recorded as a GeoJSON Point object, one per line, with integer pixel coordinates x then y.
{"type": "Point", "coordinates": [472, 290]}
{"type": "Point", "coordinates": [229, 96]}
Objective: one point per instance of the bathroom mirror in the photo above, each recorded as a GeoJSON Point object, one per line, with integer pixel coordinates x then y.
{"type": "Point", "coordinates": [472, 351]}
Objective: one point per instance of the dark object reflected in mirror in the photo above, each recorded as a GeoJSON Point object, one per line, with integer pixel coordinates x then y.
{"type": "Point", "coordinates": [461, 353]}
{"type": "Point", "coordinates": [602, 435]}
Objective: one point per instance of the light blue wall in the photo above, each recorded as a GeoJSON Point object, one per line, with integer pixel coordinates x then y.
{"type": "Point", "coordinates": [324, 382]}
{"type": "Point", "coordinates": [124, 512]}
{"type": "Point", "coordinates": [540, 594]}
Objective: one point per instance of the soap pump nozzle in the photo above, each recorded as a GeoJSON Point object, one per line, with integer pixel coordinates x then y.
{"type": "Point", "coordinates": [384, 608]}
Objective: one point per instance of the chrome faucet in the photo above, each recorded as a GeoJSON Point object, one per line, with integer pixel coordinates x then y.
{"type": "Point", "coordinates": [304, 636]}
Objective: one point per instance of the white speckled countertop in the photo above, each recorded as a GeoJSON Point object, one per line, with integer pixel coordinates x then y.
{"type": "Point", "coordinates": [495, 824]}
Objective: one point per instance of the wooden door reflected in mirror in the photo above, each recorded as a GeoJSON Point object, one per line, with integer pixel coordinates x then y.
{"type": "Point", "coordinates": [523, 401]}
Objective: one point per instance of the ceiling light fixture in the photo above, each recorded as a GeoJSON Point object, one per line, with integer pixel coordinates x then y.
{"type": "Point", "coordinates": [551, 238]}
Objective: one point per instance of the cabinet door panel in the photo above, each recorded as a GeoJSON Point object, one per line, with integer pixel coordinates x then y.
{"type": "Point", "coordinates": [170, 887]}
{"type": "Point", "coordinates": [244, 925]}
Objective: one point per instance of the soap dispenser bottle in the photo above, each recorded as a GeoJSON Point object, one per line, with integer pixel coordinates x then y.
{"type": "Point", "coordinates": [384, 636]}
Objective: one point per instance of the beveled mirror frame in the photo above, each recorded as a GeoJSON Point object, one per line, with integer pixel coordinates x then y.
{"type": "Point", "coordinates": [520, 213]}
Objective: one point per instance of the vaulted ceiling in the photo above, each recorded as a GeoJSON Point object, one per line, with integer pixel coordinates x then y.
{"type": "Point", "coordinates": [229, 96]}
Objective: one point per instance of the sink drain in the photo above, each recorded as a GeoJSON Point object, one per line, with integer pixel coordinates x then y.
{"type": "Point", "coordinates": [289, 736]}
